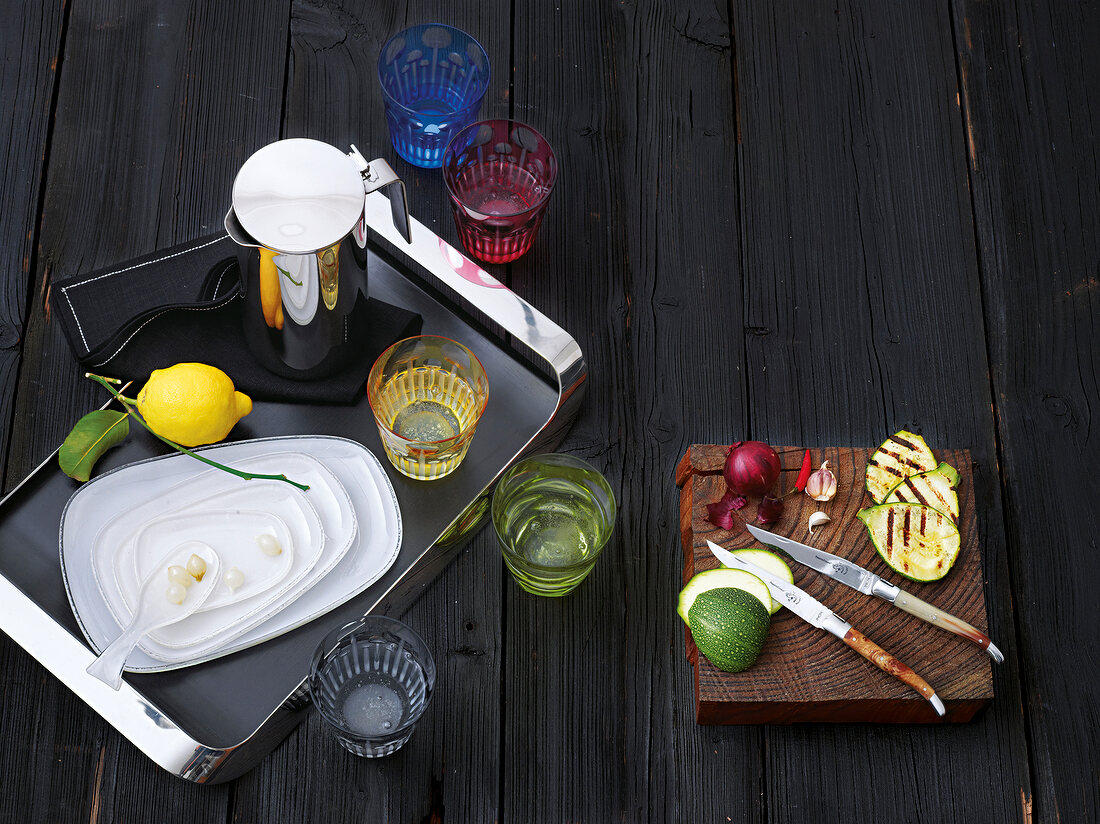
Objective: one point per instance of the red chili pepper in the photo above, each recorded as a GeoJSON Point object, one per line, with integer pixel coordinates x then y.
{"type": "Point", "coordinates": [803, 473]}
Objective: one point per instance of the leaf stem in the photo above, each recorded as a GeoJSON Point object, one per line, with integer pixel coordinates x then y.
{"type": "Point", "coordinates": [129, 403]}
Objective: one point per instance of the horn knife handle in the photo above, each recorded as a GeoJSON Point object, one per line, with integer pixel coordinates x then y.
{"type": "Point", "coordinates": [945, 620]}
{"type": "Point", "coordinates": [892, 666]}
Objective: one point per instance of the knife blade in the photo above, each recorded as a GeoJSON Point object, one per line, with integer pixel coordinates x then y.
{"type": "Point", "coordinates": [816, 614]}
{"type": "Point", "coordinates": [867, 582]}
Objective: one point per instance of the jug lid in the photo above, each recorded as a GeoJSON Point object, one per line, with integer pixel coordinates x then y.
{"type": "Point", "coordinates": [298, 196]}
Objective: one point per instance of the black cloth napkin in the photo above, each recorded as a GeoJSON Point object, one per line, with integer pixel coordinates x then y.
{"type": "Point", "coordinates": [184, 304]}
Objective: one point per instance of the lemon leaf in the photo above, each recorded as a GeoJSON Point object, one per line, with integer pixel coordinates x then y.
{"type": "Point", "coordinates": [93, 435]}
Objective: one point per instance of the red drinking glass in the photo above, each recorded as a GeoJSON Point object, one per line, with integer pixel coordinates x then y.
{"type": "Point", "coordinates": [499, 174]}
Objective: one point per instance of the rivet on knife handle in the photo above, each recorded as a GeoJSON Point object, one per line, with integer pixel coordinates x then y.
{"type": "Point", "coordinates": [934, 615]}
{"type": "Point", "coordinates": [892, 666]}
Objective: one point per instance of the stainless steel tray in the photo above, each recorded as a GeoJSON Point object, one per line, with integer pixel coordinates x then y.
{"type": "Point", "coordinates": [214, 721]}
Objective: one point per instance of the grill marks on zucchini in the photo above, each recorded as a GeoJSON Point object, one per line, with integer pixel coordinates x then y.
{"type": "Point", "coordinates": [935, 489]}
{"type": "Point", "coordinates": [890, 530]}
{"type": "Point", "coordinates": [901, 455]}
{"type": "Point", "coordinates": [913, 525]}
{"type": "Point", "coordinates": [915, 540]}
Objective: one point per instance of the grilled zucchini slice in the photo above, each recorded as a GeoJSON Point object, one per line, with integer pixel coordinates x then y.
{"type": "Point", "coordinates": [901, 455]}
{"type": "Point", "coordinates": [935, 489]}
{"type": "Point", "coordinates": [916, 540]}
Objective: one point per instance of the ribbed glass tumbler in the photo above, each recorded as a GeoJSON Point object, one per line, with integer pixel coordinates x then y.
{"type": "Point", "coordinates": [433, 80]}
{"type": "Point", "coordinates": [371, 681]}
{"type": "Point", "coordinates": [499, 174]}
{"type": "Point", "coordinates": [427, 394]}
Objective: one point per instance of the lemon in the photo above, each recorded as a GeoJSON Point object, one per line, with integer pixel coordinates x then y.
{"type": "Point", "coordinates": [192, 403]}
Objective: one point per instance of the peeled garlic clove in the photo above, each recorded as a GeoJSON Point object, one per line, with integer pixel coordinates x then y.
{"type": "Point", "coordinates": [234, 579]}
{"type": "Point", "coordinates": [822, 484]}
{"type": "Point", "coordinates": [179, 575]}
{"type": "Point", "coordinates": [817, 519]}
{"type": "Point", "coordinates": [176, 593]}
{"type": "Point", "coordinates": [196, 567]}
{"type": "Point", "coordinates": [269, 544]}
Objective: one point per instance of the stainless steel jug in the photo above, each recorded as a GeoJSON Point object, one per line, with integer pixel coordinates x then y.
{"type": "Point", "coordinates": [297, 217]}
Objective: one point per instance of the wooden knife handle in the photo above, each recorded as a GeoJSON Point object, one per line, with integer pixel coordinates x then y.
{"type": "Point", "coordinates": [890, 665]}
{"type": "Point", "coordinates": [938, 618]}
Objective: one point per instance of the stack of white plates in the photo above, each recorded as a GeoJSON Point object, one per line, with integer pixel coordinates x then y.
{"type": "Point", "coordinates": [335, 540]}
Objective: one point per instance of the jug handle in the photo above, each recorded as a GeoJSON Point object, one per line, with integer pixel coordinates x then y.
{"type": "Point", "coordinates": [379, 175]}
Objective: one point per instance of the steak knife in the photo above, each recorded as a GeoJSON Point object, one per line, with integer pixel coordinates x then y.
{"type": "Point", "coordinates": [814, 612]}
{"type": "Point", "coordinates": [867, 582]}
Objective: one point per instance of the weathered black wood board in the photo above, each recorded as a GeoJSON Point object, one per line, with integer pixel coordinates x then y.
{"type": "Point", "coordinates": [859, 243]}
{"type": "Point", "coordinates": [1030, 76]}
{"type": "Point", "coordinates": [30, 48]}
{"type": "Point", "coordinates": [800, 222]}
{"type": "Point", "coordinates": [157, 106]}
{"type": "Point", "coordinates": [637, 100]}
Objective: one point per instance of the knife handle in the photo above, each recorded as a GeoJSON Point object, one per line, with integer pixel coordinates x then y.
{"type": "Point", "coordinates": [937, 617]}
{"type": "Point", "coordinates": [891, 666]}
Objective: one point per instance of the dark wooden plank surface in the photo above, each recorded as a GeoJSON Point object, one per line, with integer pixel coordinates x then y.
{"type": "Point", "coordinates": [152, 120]}
{"type": "Point", "coordinates": [799, 222]}
{"type": "Point", "coordinates": [1030, 77]}
{"type": "Point", "coordinates": [30, 49]}
{"type": "Point", "coordinates": [862, 290]}
{"type": "Point", "coordinates": [637, 100]}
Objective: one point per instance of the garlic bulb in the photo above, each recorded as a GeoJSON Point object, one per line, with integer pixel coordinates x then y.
{"type": "Point", "coordinates": [822, 484]}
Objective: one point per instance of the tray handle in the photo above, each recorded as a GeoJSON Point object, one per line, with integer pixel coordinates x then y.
{"type": "Point", "coordinates": [67, 658]}
{"type": "Point", "coordinates": [485, 293]}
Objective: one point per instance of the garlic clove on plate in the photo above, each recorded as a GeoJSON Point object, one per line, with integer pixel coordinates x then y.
{"type": "Point", "coordinates": [234, 579]}
{"type": "Point", "coordinates": [176, 593]}
{"type": "Point", "coordinates": [196, 566]}
{"type": "Point", "coordinates": [179, 575]}
{"type": "Point", "coordinates": [269, 544]}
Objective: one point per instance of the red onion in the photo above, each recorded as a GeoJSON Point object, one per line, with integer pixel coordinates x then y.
{"type": "Point", "coordinates": [769, 510]}
{"type": "Point", "coordinates": [751, 468]}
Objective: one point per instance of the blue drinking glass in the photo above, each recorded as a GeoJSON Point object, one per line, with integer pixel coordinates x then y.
{"type": "Point", "coordinates": [433, 79]}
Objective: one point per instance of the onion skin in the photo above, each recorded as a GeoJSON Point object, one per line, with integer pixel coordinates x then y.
{"type": "Point", "coordinates": [751, 468]}
{"type": "Point", "coordinates": [720, 513]}
{"type": "Point", "coordinates": [769, 511]}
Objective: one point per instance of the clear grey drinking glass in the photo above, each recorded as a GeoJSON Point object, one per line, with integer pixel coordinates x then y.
{"type": "Point", "coordinates": [433, 80]}
{"type": "Point", "coordinates": [371, 681]}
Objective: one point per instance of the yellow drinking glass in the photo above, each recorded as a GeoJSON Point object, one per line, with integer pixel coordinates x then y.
{"type": "Point", "coordinates": [427, 394]}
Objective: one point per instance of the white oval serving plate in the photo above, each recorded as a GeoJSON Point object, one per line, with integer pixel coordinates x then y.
{"type": "Point", "coordinates": [159, 484]}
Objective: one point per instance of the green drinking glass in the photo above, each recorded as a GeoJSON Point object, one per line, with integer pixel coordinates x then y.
{"type": "Point", "coordinates": [553, 515]}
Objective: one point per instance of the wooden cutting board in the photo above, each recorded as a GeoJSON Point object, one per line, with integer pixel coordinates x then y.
{"type": "Point", "coordinates": [804, 673]}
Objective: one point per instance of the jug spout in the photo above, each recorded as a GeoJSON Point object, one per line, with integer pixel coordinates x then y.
{"type": "Point", "coordinates": [378, 175]}
{"type": "Point", "coordinates": [236, 231]}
